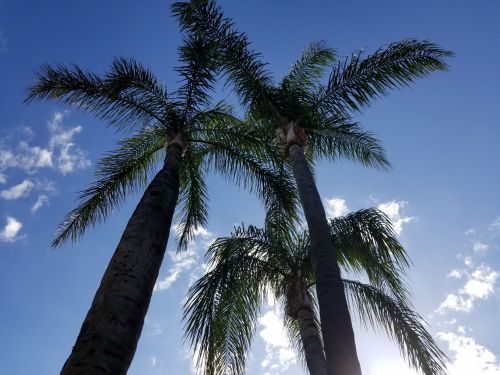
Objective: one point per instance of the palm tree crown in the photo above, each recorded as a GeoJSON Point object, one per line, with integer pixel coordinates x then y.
{"type": "Point", "coordinates": [130, 98]}
{"type": "Point", "coordinates": [222, 307]}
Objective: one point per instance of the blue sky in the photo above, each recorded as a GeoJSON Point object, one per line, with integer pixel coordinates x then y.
{"type": "Point", "coordinates": [441, 135]}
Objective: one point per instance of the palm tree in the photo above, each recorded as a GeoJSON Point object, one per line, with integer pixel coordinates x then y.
{"type": "Point", "coordinates": [311, 119]}
{"type": "Point", "coordinates": [222, 307]}
{"type": "Point", "coordinates": [193, 139]}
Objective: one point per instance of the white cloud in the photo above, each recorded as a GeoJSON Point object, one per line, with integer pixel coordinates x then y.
{"type": "Point", "coordinates": [469, 357]}
{"type": "Point", "coordinates": [41, 201]}
{"type": "Point", "coordinates": [480, 284]}
{"type": "Point", "coordinates": [70, 157]}
{"type": "Point", "coordinates": [470, 232]}
{"type": "Point", "coordinates": [468, 262]}
{"type": "Point", "coordinates": [61, 152]}
{"type": "Point", "coordinates": [10, 230]}
{"type": "Point", "coordinates": [279, 354]}
{"type": "Point", "coordinates": [496, 224]}
{"type": "Point", "coordinates": [393, 209]}
{"type": "Point", "coordinates": [335, 207]}
{"type": "Point", "coordinates": [479, 247]}
{"type": "Point", "coordinates": [17, 191]}
{"type": "Point", "coordinates": [456, 303]}
{"type": "Point", "coordinates": [3, 178]}
{"type": "Point", "coordinates": [455, 274]}
{"type": "Point", "coordinates": [153, 361]}
{"type": "Point", "coordinates": [181, 262]}
{"type": "Point", "coordinates": [186, 260]}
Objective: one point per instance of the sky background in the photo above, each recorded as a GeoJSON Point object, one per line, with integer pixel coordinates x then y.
{"type": "Point", "coordinates": [441, 136]}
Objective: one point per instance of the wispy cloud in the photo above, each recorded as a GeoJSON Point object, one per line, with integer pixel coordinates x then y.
{"type": "Point", "coordinates": [186, 260]}
{"type": "Point", "coordinates": [41, 201]}
{"type": "Point", "coordinates": [61, 152]}
{"type": "Point", "coordinates": [70, 157]}
{"type": "Point", "coordinates": [17, 191]}
{"type": "Point", "coordinates": [3, 178]}
{"type": "Point", "coordinates": [455, 274]}
{"type": "Point", "coordinates": [336, 207]}
{"type": "Point", "coordinates": [10, 230]}
{"type": "Point", "coordinates": [480, 284]}
{"type": "Point", "coordinates": [153, 361]}
{"type": "Point", "coordinates": [279, 355]}
{"type": "Point", "coordinates": [480, 247]}
{"type": "Point", "coordinates": [469, 357]}
{"type": "Point", "coordinates": [495, 225]}
{"type": "Point", "coordinates": [394, 210]}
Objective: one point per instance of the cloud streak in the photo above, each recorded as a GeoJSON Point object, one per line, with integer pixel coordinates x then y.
{"type": "Point", "coordinates": [17, 191]}
{"type": "Point", "coordinates": [186, 260]}
{"type": "Point", "coordinates": [41, 201]}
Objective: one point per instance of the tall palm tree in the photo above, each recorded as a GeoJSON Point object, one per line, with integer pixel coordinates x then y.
{"type": "Point", "coordinates": [193, 139]}
{"type": "Point", "coordinates": [222, 307]}
{"type": "Point", "coordinates": [311, 119]}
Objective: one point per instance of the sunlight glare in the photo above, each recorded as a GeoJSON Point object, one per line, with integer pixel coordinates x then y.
{"type": "Point", "coordinates": [391, 368]}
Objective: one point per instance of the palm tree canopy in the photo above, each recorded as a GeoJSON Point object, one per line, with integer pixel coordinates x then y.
{"type": "Point", "coordinates": [322, 109]}
{"type": "Point", "coordinates": [222, 307]}
{"type": "Point", "coordinates": [130, 98]}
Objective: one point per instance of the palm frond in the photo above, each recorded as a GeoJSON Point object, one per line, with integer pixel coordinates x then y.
{"type": "Point", "coordinates": [193, 197]}
{"type": "Point", "coordinates": [305, 72]}
{"type": "Point", "coordinates": [366, 242]}
{"type": "Point", "coordinates": [119, 173]}
{"type": "Point", "coordinates": [250, 172]}
{"type": "Point", "coordinates": [128, 96]}
{"type": "Point", "coordinates": [221, 309]}
{"type": "Point", "coordinates": [197, 72]}
{"type": "Point", "coordinates": [337, 137]}
{"type": "Point", "coordinates": [403, 325]}
{"type": "Point", "coordinates": [356, 81]}
{"type": "Point", "coordinates": [242, 66]}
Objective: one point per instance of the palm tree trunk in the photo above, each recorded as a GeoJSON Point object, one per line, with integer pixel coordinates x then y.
{"type": "Point", "coordinates": [311, 341]}
{"type": "Point", "coordinates": [336, 325]}
{"type": "Point", "coordinates": [109, 335]}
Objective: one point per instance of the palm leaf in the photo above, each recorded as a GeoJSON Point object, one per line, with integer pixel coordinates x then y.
{"type": "Point", "coordinates": [197, 72]}
{"type": "Point", "coordinates": [305, 72]}
{"type": "Point", "coordinates": [366, 242]}
{"type": "Point", "coordinates": [119, 174]}
{"type": "Point", "coordinates": [403, 325]}
{"type": "Point", "coordinates": [127, 96]}
{"type": "Point", "coordinates": [193, 198]}
{"type": "Point", "coordinates": [356, 81]}
{"type": "Point", "coordinates": [251, 80]}
{"type": "Point", "coordinates": [337, 137]}
{"type": "Point", "coordinates": [253, 174]}
{"type": "Point", "coordinates": [222, 307]}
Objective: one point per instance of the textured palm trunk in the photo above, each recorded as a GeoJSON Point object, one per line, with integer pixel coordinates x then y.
{"type": "Point", "coordinates": [109, 335]}
{"type": "Point", "coordinates": [336, 325]}
{"type": "Point", "coordinates": [300, 308]}
{"type": "Point", "coordinates": [311, 341]}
